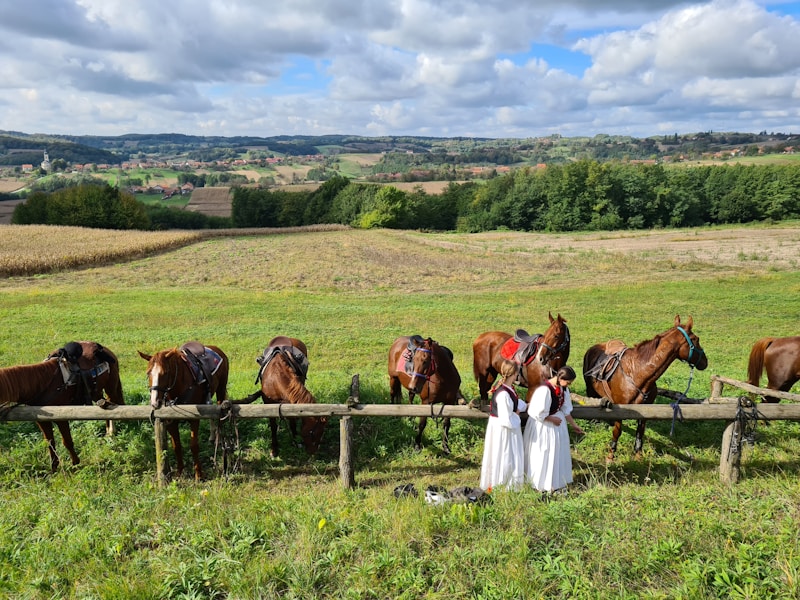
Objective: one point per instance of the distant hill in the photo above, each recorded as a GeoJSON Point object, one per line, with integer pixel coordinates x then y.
{"type": "Point", "coordinates": [19, 149]}
{"type": "Point", "coordinates": [402, 152]}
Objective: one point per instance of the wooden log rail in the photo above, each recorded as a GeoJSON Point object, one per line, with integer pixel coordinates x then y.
{"type": "Point", "coordinates": [716, 408]}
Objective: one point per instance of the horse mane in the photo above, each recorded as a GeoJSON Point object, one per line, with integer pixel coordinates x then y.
{"type": "Point", "coordinates": [296, 391]}
{"type": "Point", "coordinates": [646, 348]}
{"type": "Point", "coordinates": [23, 382]}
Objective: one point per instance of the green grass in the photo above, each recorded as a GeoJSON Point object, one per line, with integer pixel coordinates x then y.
{"type": "Point", "coordinates": [662, 527]}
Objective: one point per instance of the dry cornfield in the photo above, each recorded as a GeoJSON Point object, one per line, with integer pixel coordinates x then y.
{"type": "Point", "coordinates": [34, 249]}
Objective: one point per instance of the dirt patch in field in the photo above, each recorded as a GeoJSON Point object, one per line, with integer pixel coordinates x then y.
{"type": "Point", "coordinates": [11, 185]}
{"type": "Point", "coordinates": [211, 201]}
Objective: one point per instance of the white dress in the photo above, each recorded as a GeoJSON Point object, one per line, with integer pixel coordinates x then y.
{"type": "Point", "coordinates": [548, 463]}
{"type": "Point", "coordinates": [503, 455]}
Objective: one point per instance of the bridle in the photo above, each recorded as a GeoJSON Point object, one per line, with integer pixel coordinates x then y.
{"type": "Point", "coordinates": [552, 352]}
{"type": "Point", "coordinates": [163, 399]}
{"type": "Point", "coordinates": [431, 368]}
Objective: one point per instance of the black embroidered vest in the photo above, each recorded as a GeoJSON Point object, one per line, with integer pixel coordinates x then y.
{"type": "Point", "coordinates": [493, 404]}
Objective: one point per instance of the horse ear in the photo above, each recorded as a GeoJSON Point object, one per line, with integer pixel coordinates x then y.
{"type": "Point", "coordinates": [550, 315]}
{"type": "Point", "coordinates": [147, 357]}
{"type": "Point", "coordinates": [690, 322]}
{"type": "Point", "coordinates": [562, 319]}
{"type": "Point", "coordinates": [677, 320]}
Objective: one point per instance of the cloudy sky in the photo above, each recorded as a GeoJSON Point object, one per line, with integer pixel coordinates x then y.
{"type": "Point", "coordinates": [510, 68]}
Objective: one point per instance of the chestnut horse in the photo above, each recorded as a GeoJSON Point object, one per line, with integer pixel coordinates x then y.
{"type": "Point", "coordinates": [191, 374]}
{"type": "Point", "coordinates": [628, 375]}
{"type": "Point", "coordinates": [79, 373]}
{"type": "Point", "coordinates": [284, 366]}
{"type": "Point", "coordinates": [426, 369]}
{"type": "Point", "coordinates": [781, 359]}
{"type": "Point", "coordinates": [553, 353]}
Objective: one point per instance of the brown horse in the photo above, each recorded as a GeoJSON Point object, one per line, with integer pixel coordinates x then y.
{"type": "Point", "coordinates": [79, 373]}
{"type": "Point", "coordinates": [424, 368]}
{"type": "Point", "coordinates": [191, 374]}
{"type": "Point", "coordinates": [284, 366]}
{"type": "Point", "coordinates": [628, 375]}
{"type": "Point", "coordinates": [781, 358]}
{"type": "Point", "coordinates": [552, 354]}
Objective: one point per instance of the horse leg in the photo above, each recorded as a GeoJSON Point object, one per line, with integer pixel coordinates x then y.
{"type": "Point", "coordinates": [445, 433]}
{"type": "Point", "coordinates": [177, 448]}
{"type": "Point", "coordinates": [194, 441]}
{"type": "Point", "coordinates": [66, 437]}
{"type": "Point", "coordinates": [273, 427]}
{"type": "Point", "coordinates": [484, 385]}
{"type": "Point", "coordinates": [639, 441]}
{"type": "Point", "coordinates": [293, 431]}
{"type": "Point", "coordinates": [47, 432]}
{"type": "Point", "coordinates": [612, 449]}
{"type": "Point", "coordinates": [423, 421]}
{"type": "Point", "coordinates": [395, 387]}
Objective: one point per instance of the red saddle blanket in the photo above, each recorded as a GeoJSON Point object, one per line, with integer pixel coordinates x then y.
{"type": "Point", "coordinates": [509, 349]}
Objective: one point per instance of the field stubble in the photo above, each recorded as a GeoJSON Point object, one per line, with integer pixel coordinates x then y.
{"type": "Point", "coordinates": [375, 261]}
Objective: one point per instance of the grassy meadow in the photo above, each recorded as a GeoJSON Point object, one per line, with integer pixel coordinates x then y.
{"type": "Point", "coordinates": [661, 527]}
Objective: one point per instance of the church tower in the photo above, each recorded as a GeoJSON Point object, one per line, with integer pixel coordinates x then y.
{"type": "Point", "coordinates": [46, 162]}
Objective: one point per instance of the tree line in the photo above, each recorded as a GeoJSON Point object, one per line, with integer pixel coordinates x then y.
{"type": "Point", "coordinates": [582, 195]}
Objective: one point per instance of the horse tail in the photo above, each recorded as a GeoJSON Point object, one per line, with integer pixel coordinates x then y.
{"type": "Point", "coordinates": [589, 360]}
{"type": "Point", "coordinates": [756, 364]}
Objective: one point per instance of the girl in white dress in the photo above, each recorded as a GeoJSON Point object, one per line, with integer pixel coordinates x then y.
{"type": "Point", "coordinates": [503, 455]}
{"type": "Point", "coordinates": [548, 463]}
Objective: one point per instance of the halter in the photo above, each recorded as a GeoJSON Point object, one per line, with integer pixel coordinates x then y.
{"type": "Point", "coordinates": [692, 347]}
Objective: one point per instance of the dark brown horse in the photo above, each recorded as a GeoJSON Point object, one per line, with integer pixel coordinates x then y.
{"type": "Point", "coordinates": [284, 366]}
{"type": "Point", "coordinates": [628, 375]}
{"type": "Point", "coordinates": [79, 373]}
{"type": "Point", "coordinates": [781, 359]}
{"type": "Point", "coordinates": [191, 374]}
{"type": "Point", "coordinates": [552, 353]}
{"type": "Point", "coordinates": [426, 369]}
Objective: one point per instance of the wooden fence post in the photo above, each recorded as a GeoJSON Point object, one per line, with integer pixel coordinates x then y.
{"type": "Point", "coordinates": [162, 462]}
{"type": "Point", "coordinates": [716, 389]}
{"type": "Point", "coordinates": [346, 471]}
{"type": "Point", "coordinates": [731, 459]}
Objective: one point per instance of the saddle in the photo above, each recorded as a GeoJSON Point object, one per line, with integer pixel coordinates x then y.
{"type": "Point", "coordinates": [522, 347]}
{"type": "Point", "coordinates": [84, 380]}
{"type": "Point", "coordinates": [294, 357]}
{"type": "Point", "coordinates": [202, 361]}
{"type": "Point", "coordinates": [605, 364]}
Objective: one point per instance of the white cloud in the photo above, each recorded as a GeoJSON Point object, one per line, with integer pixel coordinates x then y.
{"type": "Point", "coordinates": [428, 67]}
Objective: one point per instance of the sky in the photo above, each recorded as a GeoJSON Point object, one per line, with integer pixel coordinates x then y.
{"type": "Point", "coordinates": [441, 68]}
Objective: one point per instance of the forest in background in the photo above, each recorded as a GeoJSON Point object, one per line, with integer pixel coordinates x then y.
{"type": "Point", "coordinates": [581, 195]}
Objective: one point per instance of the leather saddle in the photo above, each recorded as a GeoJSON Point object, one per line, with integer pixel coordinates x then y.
{"type": "Point", "coordinates": [203, 361]}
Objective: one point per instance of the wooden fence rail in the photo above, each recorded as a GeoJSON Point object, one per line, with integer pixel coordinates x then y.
{"type": "Point", "coordinates": [716, 407]}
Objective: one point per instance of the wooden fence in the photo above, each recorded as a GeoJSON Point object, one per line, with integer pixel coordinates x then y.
{"type": "Point", "coordinates": [716, 407]}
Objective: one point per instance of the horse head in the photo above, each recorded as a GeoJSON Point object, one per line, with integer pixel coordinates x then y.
{"type": "Point", "coordinates": [311, 432]}
{"type": "Point", "coordinates": [423, 365]}
{"type": "Point", "coordinates": [162, 375]}
{"type": "Point", "coordinates": [690, 352]}
{"type": "Point", "coordinates": [554, 345]}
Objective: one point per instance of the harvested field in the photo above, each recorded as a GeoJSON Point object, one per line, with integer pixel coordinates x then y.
{"type": "Point", "coordinates": [7, 210]}
{"type": "Point", "coordinates": [211, 201]}
{"type": "Point", "coordinates": [11, 185]}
